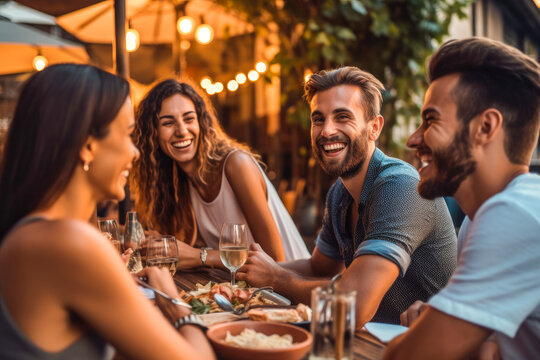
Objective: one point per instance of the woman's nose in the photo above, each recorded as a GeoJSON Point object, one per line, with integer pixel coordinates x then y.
{"type": "Point", "coordinates": [136, 153]}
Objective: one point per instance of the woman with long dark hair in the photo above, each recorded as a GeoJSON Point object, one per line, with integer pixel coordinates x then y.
{"type": "Point", "coordinates": [191, 178]}
{"type": "Point", "coordinates": [64, 290]}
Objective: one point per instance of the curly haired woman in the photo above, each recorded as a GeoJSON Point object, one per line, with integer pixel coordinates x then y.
{"type": "Point", "coordinates": [191, 178]}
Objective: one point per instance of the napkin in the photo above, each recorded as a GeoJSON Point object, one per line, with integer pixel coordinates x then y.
{"type": "Point", "coordinates": [384, 332]}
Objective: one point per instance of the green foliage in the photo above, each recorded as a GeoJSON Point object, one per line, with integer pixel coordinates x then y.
{"type": "Point", "coordinates": [389, 38]}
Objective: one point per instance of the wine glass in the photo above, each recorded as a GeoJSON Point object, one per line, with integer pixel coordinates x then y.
{"type": "Point", "coordinates": [109, 229]}
{"type": "Point", "coordinates": [233, 247]}
{"type": "Point", "coordinates": [162, 251]}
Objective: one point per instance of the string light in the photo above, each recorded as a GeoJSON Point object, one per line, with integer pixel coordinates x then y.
{"type": "Point", "coordinates": [232, 85]}
{"type": "Point", "coordinates": [40, 62]}
{"type": "Point", "coordinates": [260, 67]}
{"type": "Point", "coordinates": [185, 24]}
{"type": "Point", "coordinates": [133, 40]}
{"type": "Point", "coordinates": [206, 82]}
{"type": "Point", "coordinates": [253, 75]}
{"type": "Point", "coordinates": [218, 87]}
{"type": "Point", "coordinates": [204, 34]}
{"type": "Point", "coordinates": [241, 78]}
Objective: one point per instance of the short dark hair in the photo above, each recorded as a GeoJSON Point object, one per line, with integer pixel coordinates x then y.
{"type": "Point", "coordinates": [348, 75]}
{"type": "Point", "coordinates": [494, 75]}
{"type": "Point", "coordinates": [58, 109]}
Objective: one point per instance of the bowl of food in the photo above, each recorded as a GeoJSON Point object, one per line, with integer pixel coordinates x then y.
{"type": "Point", "coordinates": [249, 340]}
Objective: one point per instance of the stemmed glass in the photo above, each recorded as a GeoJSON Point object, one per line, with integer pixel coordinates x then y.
{"type": "Point", "coordinates": [233, 248]}
{"type": "Point", "coordinates": [162, 251]}
{"type": "Point", "coordinates": [109, 229]}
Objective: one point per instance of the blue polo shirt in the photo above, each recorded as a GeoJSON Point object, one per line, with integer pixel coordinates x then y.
{"type": "Point", "coordinates": [396, 223]}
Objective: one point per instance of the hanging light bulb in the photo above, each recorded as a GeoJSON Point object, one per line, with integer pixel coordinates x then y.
{"type": "Point", "coordinates": [185, 24]}
{"type": "Point", "coordinates": [210, 89]}
{"type": "Point", "coordinates": [240, 78]}
{"type": "Point", "coordinates": [232, 85]}
{"type": "Point", "coordinates": [218, 87]}
{"type": "Point", "coordinates": [133, 40]}
{"type": "Point", "coordinates": [206, 82]}
{"type": "Point", "coordinates": [260, 67]}
{"type": "Point", "coordinates": [204, 34]}
{"type": "Point", "coordinates": [253, 75]}
{"type": "Point", "coordinates": [40, 62]}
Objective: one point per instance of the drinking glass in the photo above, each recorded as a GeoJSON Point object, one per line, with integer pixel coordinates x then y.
{"type": "Point", "coordinates": [109, 229]}
{"type": "Point", "coordinates": [233, 247]}
{"type": "Point", "coordinates": [162, 251]}
{"type": "Point", "coordinates": [134, 239]}
{"type": "Point", "coordinates": [332, 324]}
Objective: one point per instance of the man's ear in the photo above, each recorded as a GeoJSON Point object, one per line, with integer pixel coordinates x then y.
{"type": "Point", "coordinates": [88, 151]}
{"type": "Point", "coordinates": [486, 126]}
{"type": "Point", "coordinates": [375, 127]}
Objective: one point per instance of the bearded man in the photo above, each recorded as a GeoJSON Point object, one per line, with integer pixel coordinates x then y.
{"type": "Point", "coordinates": [481, 119]}
{"type": "Point", "coordinates": [389, 244]}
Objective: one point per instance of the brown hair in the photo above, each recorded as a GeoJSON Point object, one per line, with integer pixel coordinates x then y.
{"type": "Point", "coordinates": [349, 75]}
{"type": "Point", "coordinates": [58, 109]}
{"type": "Point", "coordinates": [494, 75]}
{"type": "Point", "coordinates": [160, 187]}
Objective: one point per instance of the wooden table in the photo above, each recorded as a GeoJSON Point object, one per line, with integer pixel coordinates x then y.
{"type": "Point", "coordinates": [365, 346]}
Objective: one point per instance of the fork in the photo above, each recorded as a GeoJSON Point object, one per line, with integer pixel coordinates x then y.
{"type": "Point", "coordinates": [161, 293]}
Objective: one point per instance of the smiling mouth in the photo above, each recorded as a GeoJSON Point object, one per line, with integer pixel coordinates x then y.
{"type": "Point", "coordinates": [182, 144]}
{"type": "Point", "coordinates": [332, 148]}
{"type": "Point", "coordinates": [425, 159]}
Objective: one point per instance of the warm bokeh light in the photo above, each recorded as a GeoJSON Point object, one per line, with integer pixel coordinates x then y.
{"type": "Point", "coordinates": [40, 62]}
{"type": "Point", "coordinates": [133, 40]}
{"type": "Point", "coordinates": [232, 85]}
{"type": "Point", "coordinates": [240, 78]}
{"type": "Point", "coordinates": [218, 87]}
{"type": "Point", "coordinates": [211, 89]}
{"type": "Point", "coordinates": [185, 24]}
{"type": "Point", "coordinates": [185, 45]}
{"type": "Point", "coordinates": [253, 75]}
{"type": "Point", "coordinates": [206, 82]}
{"type": "Point", "coordinates": [204, 34]}
{"type": "Point", "coordinates": [307, 75]}
{"type": "Point", "coordinates": [260, 67]}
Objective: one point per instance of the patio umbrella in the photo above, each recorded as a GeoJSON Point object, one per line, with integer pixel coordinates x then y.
{"type": "Point", "coordinates": [155, 20]}
{"type": "Point", "coordinates": [20, 44]}
{"type": "Point", "coordinates": [18, 13]}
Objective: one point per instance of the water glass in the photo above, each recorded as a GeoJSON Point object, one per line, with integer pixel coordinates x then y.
{"type": "Point", "coordinates": [162, 251]}
{"type": "Point", "coordinates": [332, 324]}
{"type": "Point", "coordinates": [109, 229]}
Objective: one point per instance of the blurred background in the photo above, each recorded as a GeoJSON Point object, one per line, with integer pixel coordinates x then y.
{"type": "Point", "coordinates": [252, 57]}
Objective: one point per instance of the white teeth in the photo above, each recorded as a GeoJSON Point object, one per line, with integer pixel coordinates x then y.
{"type": "Point", "coordinates": [425, 159]}
{"type": "Point", "coordinates": [337, 146]}
{"type": "Point", "coordinates": [182, 144]}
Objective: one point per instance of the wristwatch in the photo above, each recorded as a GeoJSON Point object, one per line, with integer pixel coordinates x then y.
{"type": "Point", "coordinates": [204, 254]}
{"type": "Point", "coordinates": [190, 319]}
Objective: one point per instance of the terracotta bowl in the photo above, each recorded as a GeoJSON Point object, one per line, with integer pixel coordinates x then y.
{"type": "Point", "coordinates": [300, 347]}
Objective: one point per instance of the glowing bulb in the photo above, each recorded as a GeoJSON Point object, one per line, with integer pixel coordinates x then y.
{"type": "Point", "coordinates": [232, 85]}
{"type": "Point", "coordinates": [185, 45]}
{"type": "Point", "coordinates": [211, 89]}
{"type": "Point", "coordinates": [133, 40]}
{"type": "Point", "coordinates": [40, 62]}
{"type": "Point", "coordinates": [253, 75]}
{"type": "Point", "coordinates": [241, 78]}
{"type": "Point", "coordinates": [204, 34]}
{"type": "Point", "coordinates": [206, 82]}
{"type": "Point", "coordinates": [260, 67]}
{"type": "Point", "coordinates": [218, 87]}
{"type": "Point", "coordinates": [185, 24]}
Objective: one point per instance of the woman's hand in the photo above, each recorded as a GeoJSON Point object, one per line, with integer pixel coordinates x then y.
{"type": "Point", "coordinates": [125, 256]}
{"type": "Point", "coordinates": [161, 279]}
{"type": "Point", "coordinates": [190, 257]}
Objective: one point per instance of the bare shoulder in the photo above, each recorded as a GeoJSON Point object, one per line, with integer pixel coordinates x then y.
{"type": "Point", "coordinates": [239, 165]}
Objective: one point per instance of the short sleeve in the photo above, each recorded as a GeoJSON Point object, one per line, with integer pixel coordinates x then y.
{"type": "Point", "coordinates": [326, 241]}
{"type": "Point", "coordinates": [398, 220]}
{"type": "Point", "coordinates": [497, 281]}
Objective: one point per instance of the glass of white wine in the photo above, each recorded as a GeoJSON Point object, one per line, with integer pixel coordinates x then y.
{"type": "Point", "coordinates": [109, 229]}
{"type": "Point", "coordinates": [233, 247]}
{"type": "Point", "coordinates": [162, 251]}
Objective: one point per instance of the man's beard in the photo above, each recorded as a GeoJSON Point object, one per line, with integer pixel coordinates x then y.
{"type": "Point", "coordinates": [452, 164]}
{"type": "Point", "coordinates": [354, 158]}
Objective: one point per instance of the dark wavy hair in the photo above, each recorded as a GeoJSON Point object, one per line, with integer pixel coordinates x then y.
{"type": "Point", "coordinates": [58, 109]}
{"type": "Point", "coordinates": [159, 186]}
{"type": "Point", "coordinates": [494, 75]}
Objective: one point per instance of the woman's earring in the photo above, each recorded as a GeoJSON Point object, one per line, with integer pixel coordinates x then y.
{"type": "Point", "coordinates": [86, 166]}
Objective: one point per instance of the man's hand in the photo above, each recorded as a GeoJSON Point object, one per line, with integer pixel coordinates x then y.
{"type": "Point", "coordinates": [412, 313]}
{"type": "Point", "coordinates": [260, 269]}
